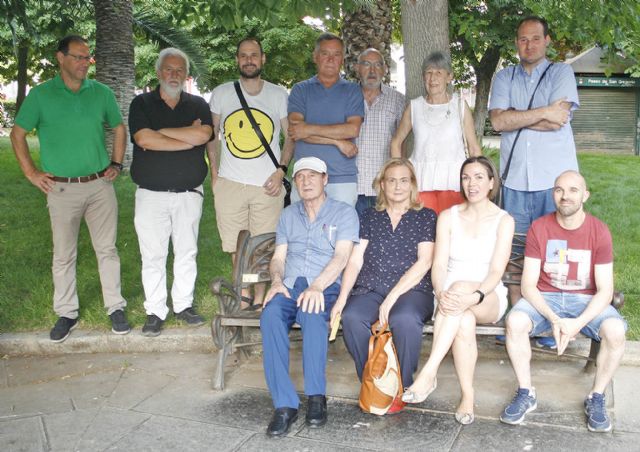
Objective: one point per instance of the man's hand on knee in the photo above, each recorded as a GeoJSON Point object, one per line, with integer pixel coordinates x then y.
{"type": "Point", "coordinates": [311, 300]}
{"type": "Point", "coordinates": [275, 289]}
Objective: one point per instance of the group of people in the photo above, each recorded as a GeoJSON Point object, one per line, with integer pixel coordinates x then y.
{"type": "Point", "coordinates": [370, 235]}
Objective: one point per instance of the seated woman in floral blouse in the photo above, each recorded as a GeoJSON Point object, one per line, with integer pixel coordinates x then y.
{"type": "Point", "coordinates": [387, 277]}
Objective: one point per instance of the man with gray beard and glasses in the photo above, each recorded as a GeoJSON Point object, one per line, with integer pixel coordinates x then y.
{"type": "Point", "coordinates": [169, 130]}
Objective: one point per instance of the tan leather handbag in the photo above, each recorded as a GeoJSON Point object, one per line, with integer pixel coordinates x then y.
{"type": "Point", "coordinates": [381, 380]}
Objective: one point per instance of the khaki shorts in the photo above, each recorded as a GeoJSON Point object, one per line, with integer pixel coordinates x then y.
{"type": "Point", "coordinates": [240, 206]}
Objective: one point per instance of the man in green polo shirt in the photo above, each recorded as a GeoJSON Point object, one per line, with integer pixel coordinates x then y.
{"type": "Point", "coordinates": [69, 113]}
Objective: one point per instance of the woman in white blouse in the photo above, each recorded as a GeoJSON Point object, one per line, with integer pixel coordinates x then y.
{"type": "Point", "coordinates": [442, 126]}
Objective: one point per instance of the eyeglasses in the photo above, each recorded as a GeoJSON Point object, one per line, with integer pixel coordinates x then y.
{"type": "Point", "coordinates": [79, 58]}
{"type": "Point", "coordinates": [368, 64]}
{"type": "Point", "coordinates": [174, 71]}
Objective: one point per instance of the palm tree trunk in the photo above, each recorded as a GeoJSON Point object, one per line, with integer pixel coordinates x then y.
{"type": "Point", "coordinates": [367, 27]}
{"type": "Point", "coordinates": [115, 64]}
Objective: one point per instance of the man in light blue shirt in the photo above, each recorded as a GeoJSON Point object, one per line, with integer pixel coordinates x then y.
{"type": "Point", "coordinates": [314, 239]}
{"type": "Point", "coordinates": [325, 114]}
{"type": "Point", "coordinates": [545, 146]}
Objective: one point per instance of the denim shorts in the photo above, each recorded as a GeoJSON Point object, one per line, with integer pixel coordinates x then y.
{"type": "Point", "coordinates": [566, 305]}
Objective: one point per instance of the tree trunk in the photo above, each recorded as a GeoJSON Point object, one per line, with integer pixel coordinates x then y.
{"type": "Point", "coordinates": [23, 63]}
{"type": "Point", "coordinates": [367, 27]}
{"type": "Point", "coordinates": [425, 29]}
{"type": "Point", "coordinates": [115, 56]}
{"type": "Point", "coordinates": [484, 75]}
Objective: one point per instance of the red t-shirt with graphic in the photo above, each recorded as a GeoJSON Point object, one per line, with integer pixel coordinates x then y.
{"type": "Point", "coordinates": [569, 256]}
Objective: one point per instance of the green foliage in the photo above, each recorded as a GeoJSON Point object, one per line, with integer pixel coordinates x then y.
{"type": "Point", "coordinates": [288, 48]}
{"type": "Point", "coordinates": [7, 112]}
{"type": "Point", "coordinates": [157, 27]}
{"type": "Point", "coordinates": [232, 14]}
{"type": "Point", "coordinates": [477, 28]}
{"type": "Point", "coordinates": [615, 26]}
{"type": "Point", "coordinates": [39, 25]}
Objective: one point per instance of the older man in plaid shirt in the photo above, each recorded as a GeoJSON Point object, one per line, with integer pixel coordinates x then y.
{"type": "Point", "coordinates": [383, 110]}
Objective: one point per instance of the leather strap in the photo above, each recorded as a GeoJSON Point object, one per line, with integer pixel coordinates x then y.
{"type": "Point", "coordinates": [505, 173]}
{"type": "Point", "coordinates": [79, 179]}
{"type": "Point", "coordinates": [254, 124]}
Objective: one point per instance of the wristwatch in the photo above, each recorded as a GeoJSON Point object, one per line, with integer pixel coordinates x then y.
{"type": "Point", "coordinates": [120, 166]}
{"type": "Point", "coordinates": [479, 292]}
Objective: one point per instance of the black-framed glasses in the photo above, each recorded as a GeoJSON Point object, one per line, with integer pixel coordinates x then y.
{"type": "Point", "coordinates": [79, 58]}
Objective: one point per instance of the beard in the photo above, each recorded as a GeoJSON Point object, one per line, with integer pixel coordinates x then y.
{"type": "Point", "coordinates": [568, 210]}
{"type": "Point", "coordinates": [371, 83]}
{"type": "Point", "coordinates": [171, 91]}
{"type": "Point", "coordinates": [255, 74]}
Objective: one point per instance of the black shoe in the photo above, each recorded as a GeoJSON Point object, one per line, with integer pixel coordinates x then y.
{"type": "Point", "coordinates": [62, 329]}
{"type": "Point", "coordinates": [152, 326]}
{"type": "Point", "coordinates": [119, 324]}
{"type": "Point", "coordinates": [281, 421]}
{"type": "Point", "coordinates": [190, 316]}
{"type": "Point", "coordinates": [316, 411]}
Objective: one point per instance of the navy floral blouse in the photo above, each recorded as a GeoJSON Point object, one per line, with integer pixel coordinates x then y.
{"type": "Point", "coordinates": [390, 253]}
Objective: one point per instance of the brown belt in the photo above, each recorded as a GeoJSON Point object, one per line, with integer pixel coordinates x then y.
{"type": "Point", "coordinates": [80, 179]}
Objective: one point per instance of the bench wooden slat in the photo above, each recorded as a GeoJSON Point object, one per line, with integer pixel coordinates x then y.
{"type": "Point", "coordinates": [252, 319]}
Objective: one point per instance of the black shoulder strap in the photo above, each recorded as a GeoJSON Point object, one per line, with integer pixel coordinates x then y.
{"type": "Point", "coordinates": [254, 124]}
{"type": "Point", "coordinates": [505, 173]}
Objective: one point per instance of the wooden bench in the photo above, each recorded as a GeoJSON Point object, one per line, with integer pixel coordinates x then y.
{"type": "Point", "coordinates": [230, 326]}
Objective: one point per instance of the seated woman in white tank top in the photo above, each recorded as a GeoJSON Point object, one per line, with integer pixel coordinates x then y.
{"type": "Point", "coordinates": [473, 244]}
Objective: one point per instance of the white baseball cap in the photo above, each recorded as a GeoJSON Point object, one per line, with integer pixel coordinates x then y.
{"type": "Point", "coordinates": [310, 163]}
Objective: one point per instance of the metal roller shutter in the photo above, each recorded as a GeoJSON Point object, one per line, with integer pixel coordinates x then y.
{"type": "Point", "coordinates": [606, 120]}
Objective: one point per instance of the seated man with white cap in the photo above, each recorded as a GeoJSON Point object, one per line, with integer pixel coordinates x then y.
{"type": "Point", "coordinates": [314, 239]}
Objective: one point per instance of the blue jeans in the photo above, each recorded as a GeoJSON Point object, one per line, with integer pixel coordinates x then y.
{"type": "Point", "coordinates": [527, 206]}
{"type": "Point", "coordinates": [566, 305]}
{"type": "Point", "coordinates": [364, 202]}
{"type": "Point", "coordinates": [275, 322]}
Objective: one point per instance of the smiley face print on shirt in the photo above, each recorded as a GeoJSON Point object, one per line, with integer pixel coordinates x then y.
{"type": "Point", "coordinates": [242, 141]}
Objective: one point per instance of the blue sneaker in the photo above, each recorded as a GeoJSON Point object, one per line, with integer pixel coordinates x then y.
{"type": "Point", "coordinates": [546, 342]}
{"type": "Point", "coordinates": [596, 411]}
{"type": "Point", "coordinates": [523, 402]}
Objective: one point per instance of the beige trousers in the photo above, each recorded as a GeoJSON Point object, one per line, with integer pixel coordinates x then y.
{"type": "Point", "coordinates": [68, 204]}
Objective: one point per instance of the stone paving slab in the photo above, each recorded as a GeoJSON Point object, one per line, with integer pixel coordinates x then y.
{"type": "Point", "coordinates": [164, 401]}
{"type": "Point", "coordinates": [26, 434]}
{"type": "Point", "coordinates": [259, 442]}
{"type": "Point", "coordinates": [93, 429]}
{"type": "Point", "coordinates": [170, 434]}
{"type": "Point", "coordinates": [489, 436]}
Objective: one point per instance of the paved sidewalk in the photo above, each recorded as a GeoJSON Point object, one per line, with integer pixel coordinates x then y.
{"type": "Point", "coordinates": [164, 401]}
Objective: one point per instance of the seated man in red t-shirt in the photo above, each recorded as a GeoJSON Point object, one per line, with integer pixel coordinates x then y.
{"type": "Point", "coordinates": [567, 285]}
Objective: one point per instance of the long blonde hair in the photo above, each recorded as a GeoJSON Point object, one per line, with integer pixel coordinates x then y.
{"type": "Point", "coordinates": [381, 200]}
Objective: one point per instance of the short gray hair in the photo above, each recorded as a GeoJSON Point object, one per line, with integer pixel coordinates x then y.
{"type": "Point", "coordinates": [437, 60]}
{"type": "Point", "coordinates": [169, 52]}
{"type": "Point", "coordinates": [366, 52]}
{"type": "Point", "coordinates": [328, 37]}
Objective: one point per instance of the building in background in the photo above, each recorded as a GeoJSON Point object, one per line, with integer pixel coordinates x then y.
{"type": "Point", "coordinates": [608, 119]}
